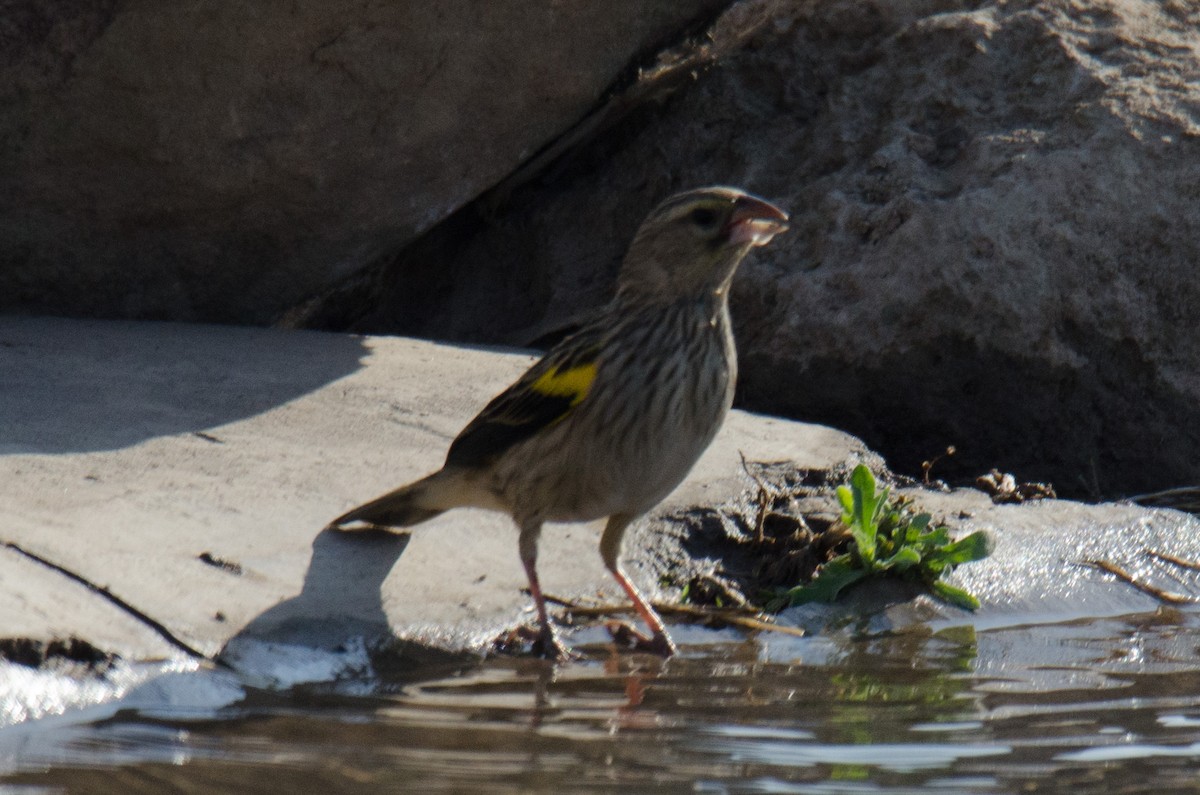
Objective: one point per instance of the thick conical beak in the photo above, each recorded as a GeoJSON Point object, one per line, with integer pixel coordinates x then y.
{"type": "Point", "coordinates": [755, 221]}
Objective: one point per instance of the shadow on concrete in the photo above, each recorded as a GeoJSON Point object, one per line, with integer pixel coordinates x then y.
{"type": "Point", "coordinates": [340, 600]}
{"type": "Point", "coordinates": [336, 619]}
{"type": "Point", "coordinates": [82, 386]}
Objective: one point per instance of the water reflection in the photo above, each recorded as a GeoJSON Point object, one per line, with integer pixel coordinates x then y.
{"type": "Point", "coordinates": [1110, 705]}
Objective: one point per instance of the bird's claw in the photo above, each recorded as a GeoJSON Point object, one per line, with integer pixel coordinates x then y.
{"type": "Point", "coordinates": [543, 643]}
{"type": "Point", "coordinates": [626, 636]}
{"type": "Point", "coordinates": [549, 646]}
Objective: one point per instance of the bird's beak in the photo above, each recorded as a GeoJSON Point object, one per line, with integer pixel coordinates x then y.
{"type": "Point", "coordinates": [755, 221]}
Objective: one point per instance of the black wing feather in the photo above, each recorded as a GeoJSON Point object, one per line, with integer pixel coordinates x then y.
{"type": "Point", "coordinates": [519, 412]}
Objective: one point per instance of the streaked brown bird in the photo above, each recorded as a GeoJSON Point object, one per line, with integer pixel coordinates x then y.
{"type": "Point", "coordinates": [612, 418]}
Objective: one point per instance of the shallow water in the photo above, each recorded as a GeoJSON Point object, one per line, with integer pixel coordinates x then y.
{"type": "Point", "coordinates": [1108, 705]}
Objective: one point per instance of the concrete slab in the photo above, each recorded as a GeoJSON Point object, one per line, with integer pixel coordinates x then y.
{"type": "Point", "coordinates": [189, 470]}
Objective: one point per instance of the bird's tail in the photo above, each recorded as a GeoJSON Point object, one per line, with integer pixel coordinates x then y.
{"type": "Point", "coordinates": [409, 505]}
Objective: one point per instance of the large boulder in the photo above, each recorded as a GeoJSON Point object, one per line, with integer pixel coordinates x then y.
{"type": "Point", "coordinates": [994, 244]}
{"type": "Point", "coordinates": [222, 160]}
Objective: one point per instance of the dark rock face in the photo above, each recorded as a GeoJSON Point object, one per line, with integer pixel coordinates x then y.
{"type": "Point", "coordinates": [224, 160]}
{"type": "Point", "coordinates": [995, 234]}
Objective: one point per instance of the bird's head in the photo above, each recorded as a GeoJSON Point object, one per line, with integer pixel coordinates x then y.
{"type": "Point", "coordinates": [691, 244]}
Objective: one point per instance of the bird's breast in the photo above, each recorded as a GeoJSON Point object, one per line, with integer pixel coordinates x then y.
{"type": "Point", "coordinates": [661, 391]}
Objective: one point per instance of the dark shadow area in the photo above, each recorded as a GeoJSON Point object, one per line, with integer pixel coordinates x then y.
{"type": "Point", "coordinates": [339, 605]}
{"type": "Point", "coordinates": [480, 274]}
{"type": "Point", "coordinates": [82, 386]}
{"type": "Point", "coordinates": [835, 114]}
{"type": "Point", "coordinates": [1087, 430]}
{"type": "Point", "coordinates": [441, 286]}
{"type": "Point", "coordinates": [340, 600]}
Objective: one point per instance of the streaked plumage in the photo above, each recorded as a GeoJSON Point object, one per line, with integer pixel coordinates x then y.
{"type": "Point", "coordinates": [611, 419]}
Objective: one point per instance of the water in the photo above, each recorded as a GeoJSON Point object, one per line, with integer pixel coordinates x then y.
{"type": "Point", "coordinates": [1109, 705]}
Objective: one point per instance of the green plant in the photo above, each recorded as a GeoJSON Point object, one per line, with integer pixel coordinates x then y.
{"type": "Point", "coordinates": [890, 538]}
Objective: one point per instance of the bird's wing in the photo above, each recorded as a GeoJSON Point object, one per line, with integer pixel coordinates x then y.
{"type": "Point", "coordinates": [543, 396]}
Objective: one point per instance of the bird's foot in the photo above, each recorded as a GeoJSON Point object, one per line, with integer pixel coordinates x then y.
{"type": "Point", "coordinates": [543, 643]}
{"type": "Point", "coordinates": [548, 645]}
{"type": "Point", "coordinates": [626, 636]}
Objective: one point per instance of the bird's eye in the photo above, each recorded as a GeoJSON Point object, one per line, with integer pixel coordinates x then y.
{"type": "Point", "coordinates": [703, 217]}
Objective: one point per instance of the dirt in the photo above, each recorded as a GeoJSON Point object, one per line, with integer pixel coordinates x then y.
{"type": "Point", "coordinates": [744, 552]}
{"type": "Point", "coordinates": [69, 653]}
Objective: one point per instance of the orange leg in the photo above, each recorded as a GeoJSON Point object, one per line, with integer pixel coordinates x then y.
{"type": "Point", "coordinates": [610, 549]}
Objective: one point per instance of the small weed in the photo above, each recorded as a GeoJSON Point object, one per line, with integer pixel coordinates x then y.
{"type": "Point", "coordinates": [889, 539]}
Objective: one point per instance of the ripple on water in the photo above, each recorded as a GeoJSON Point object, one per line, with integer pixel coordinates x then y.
{"type": "Point", "coordinates": [956, 710]}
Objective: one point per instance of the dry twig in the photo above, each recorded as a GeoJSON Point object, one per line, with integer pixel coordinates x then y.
{"type": "Point", "coordinates": [764, 500]}
{"type": "Point", "coordinates": [1166, 597]}
{"type": "Point", "coordinates": [746, 618]}
{"type": "Point", "coordinates": [1183, 563]}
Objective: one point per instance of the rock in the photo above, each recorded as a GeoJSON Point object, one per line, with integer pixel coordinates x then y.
{"type": "Point", "coordinates": [1051, 561]}
{"type": "Point", "coordinates": [188, 471]}
{"type": "Point", "coordinates": [1041, 569]}
{"type": "Point", "coordinates": [994, 235]}
{"type": "Point", "coordinates": [223, 161]}
{"type": "Point", "coordinates": [165, 485]}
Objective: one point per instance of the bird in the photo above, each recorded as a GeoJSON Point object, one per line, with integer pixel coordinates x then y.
{"type": "Point", "coordinates": [612, 418]}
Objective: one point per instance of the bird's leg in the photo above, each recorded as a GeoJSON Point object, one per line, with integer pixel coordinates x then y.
{"type": "Point", "coordinates": [547, 644]}
{"type": "Point", "coordinates": [610, 549]}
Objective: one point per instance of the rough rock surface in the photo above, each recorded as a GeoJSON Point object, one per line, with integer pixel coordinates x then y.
{"type": "Point", "coordinates": [223, 160]}
{"type": "Point", "coordinates": [189, 470]}
{"type": "Point", "coordinates": [994, 242]}
{"type": "Point", "coordinates": [1044, 567]}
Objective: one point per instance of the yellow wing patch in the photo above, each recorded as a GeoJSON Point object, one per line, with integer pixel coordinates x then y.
{"type": "Point", "coordinates": [572, 383]}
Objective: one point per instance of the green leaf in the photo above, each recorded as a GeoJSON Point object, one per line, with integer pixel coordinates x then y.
{"type": "Point", "coordinates": [846, 498]}
{"type": "Point", "coordinates": [864, 510]}
{"type": "Point", "coordinates": [915, 528]}
{"type": "Point", "coordinates": [866, 502]}
{"type": "Point", "coordinates": [937, 537]}
{"type": "Point", "coordinates": [864, 542]}
{"type": "Point", "coordinates": [881, 508]}
{"type": "Point", "coordinates": [833, 576]}
{"type": "Point", "coordinates": [905, 558]}
{"type": "Point", "coordinates": [776, 601]}
{"type": "Point", "coordinates": [967, 549]}
{"type": "Point", "coordinates": [890, 537]}
{"type": "Point", "coordinates": [955, 596]}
